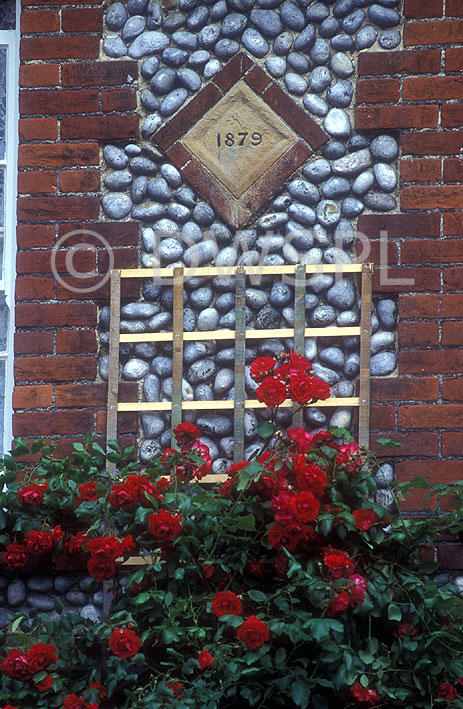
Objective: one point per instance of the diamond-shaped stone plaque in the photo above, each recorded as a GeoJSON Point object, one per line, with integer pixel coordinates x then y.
{"type": "Point", "coordinates": [239, 139]}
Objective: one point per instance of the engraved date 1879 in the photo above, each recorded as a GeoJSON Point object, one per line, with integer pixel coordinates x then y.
{"type": "Point", "coordinates": [239, 139]}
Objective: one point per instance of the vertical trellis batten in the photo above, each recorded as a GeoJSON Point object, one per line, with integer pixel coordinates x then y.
{"type": "Point", "coordinates": [113, 367]}
{"type": "Point", "coordinates": [299, 325]}
{"type": "Point", "coordinates": [177, 361]}
{"type": "Point", "coordinates": [365, 337]}
{"type": "Point", "coordinates": [240, 348]}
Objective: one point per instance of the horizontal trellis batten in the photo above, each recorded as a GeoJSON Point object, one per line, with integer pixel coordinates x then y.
{"type": "Point", "coordinates": [239, 335]}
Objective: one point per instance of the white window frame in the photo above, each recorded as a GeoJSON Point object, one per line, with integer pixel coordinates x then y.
{"type": "Point", "coordinates": [10, 40]}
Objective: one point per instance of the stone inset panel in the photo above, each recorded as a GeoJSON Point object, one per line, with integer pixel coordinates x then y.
{"type": "Point", "coordinates": [235, 136]}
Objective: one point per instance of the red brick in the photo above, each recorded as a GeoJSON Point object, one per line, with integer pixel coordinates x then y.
{"type": "Point", "coordinates": [34, 75]}
{"type": "Point", "coordinates": [118, 99]}
{"type": "Point", "coordinates": [58, 154]}
{"type": "Point", "coordinates": [102, 73]}
{"type": "Point", "coordinates": [52, 423]}
{"type": "Point", "coordinates": [126, 423]}
{"type": "Point", "coordinates": [59, 208]}
{"type": "Point", "coordinates": [33, 397]}
{"type": "Point", "coordinates": [452, 334]}
{"type": "Point", "coordinates": [37, 181]}
{"type": "Point", "coordinates": [72, 288]}
{"type": "Point", "coordinates": [452, 389]}
{"type": "Point", "coordinates": [38, 129]}
{"type": "Point", "coordinates": [34, 235]}
{"type": "Point", "coordinates": [37, 21]}
{"type": "Point", "coordinates": [453, 278]}
{"type": "Point", "coordinates": [454, 58]}
{"type": "Point", "coordinates": [61, 47]}
{"type": "Point", "coordinates": [430, 361]}
{"type": "Point", "coordinates": [56, 315]}
{"type": "Point", "coordinates": [399, 225]}
{"type": "Point", "coordinates": [431, 197]}
{"type": "Point", "coordinates": [433, 143]}
{"type": "Point", "coordinates": [431, 306]}
{"type": "Point", "coordinates": [123, 258]}
{"type": "Point", "coordinates": [452, 443]}
{"type": "Point", "coordinates": [34, 288]}
{"type": "Point", "coordinates": [80, 180]}
{"type": "Point", "coordinates": [450, 556]}
{"type": "Point", "coordinates": [33, 343]}
{"type": "Point", "coordinates": [378, 251]}
{"type": "Point", "coordinates": [88, 20]}
{"type": "Point", "coordinates": [421, 170]}
{"type": "Point", "coordinates": [81, 395]}
{"type": "Point", "coordinates": [453, 170]}
{"type": "Point", "coordinates": [424, 61]}
{"type": "Point", "coordinates": [404, 388]}
{"type": "Point", "coordinates": [424, 8]}
{"type": "Point", "coordinates": [382, 418]}
{"type": "Point", "coordinates": [257, 79]}
{"type": "Point", "coordinates": [76, 342]}
{"type": "Point", "coordinates": [412, 443]}
{"type": "Point", "coordinates": [432, 251]}
{"type": "Point", "coordinates": [435, 471]}
{"type": "Point", "coordinates": [232, 71]}
{"type": "Point", "coordinates": [46, 261]}
{"type": "Point", "coordinates": [452, 115]}
{"type": "Point", "coordinates": [438, 32]}
{"type": "Point", "coordinates": [378, 90]}
{"type": "Point", "coordinates": [52, 102]}
{"type": "Point", "coordinates": [114, 233]}
{"type": "Point", "coordinates": [453, 8]}
{"type": "Point", "coordinates": [431, 416]}
{"type": "Point", "coordinates": [453, 224]}
{"type": "Point", "coordinates": [399, 279]}
{"type": "Point", "coordinates": [418, 334]}
{"type": "Point", "coordinates": [395, 117]}
{"type": "Point", "coordinates": [100, 127]}
{"type": "Point", "coordinates": [295, 116]}
{"type": "Point", "coordinates": [53, 369]}
{"type": "Point", "coordinates": [433, 88]}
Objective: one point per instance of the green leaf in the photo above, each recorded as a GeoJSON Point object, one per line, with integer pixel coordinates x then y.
{"type": "Point", "coordinates": [37, 445]}
{"type": "Point", "coordinates": [98, 449]}
{"type": "Point", "coordinates": [366, 657]}
{"type": "Point", "coordinates": [246, 522]}
{"type": "Point", "coordinates": [388, 443]}
{"type": "Point", "coordinates": [266, 429]}
{"type": "Point", "coordinates": [17, 623]}
{"type": "Point", "coordinates": [300, 694]}
{"type": "Point", "coordinates": [39, 676]}
{"type": "Point", "coordinates": [394, 612]}
{"type": "Point", "coordinates": [168, 598]}
{"type": "Point", "coordinates": [142, 598]}
{"type": "Point", "coordinates": [232, 620]}
{"type": "Point", "coordinates": [280, 656]}
{"type": "Point", "coordinates": [257, 596]}
{"type": "Point", "coordinates": [78, 447]}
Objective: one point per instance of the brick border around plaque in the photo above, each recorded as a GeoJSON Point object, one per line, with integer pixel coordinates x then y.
{"type": "Point", "coordinates": [308, 138]}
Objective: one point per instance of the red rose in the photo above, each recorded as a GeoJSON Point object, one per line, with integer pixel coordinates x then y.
{"type": "Point", "coordinates": [309, 476]}
{"type": "Point", "coordinates": [406, 628]}
{"type": "Point", "coordinates": [121, 496]}
{"type": "Point", "coordinates": [226, 603]}
{"type": "Point", "coordinates": [304, 506]}
{"type": "Point", "coordinates": [124, 643]}
{"type": "Point", "coordinates": [176, 689]}
{"type": "Point", "coordinates": [338, 563]}
{"type": "Point", "coordinates": [101, 688]}
{"type": "Point", "coordinates": [40, 656]}
{"type": "Point", "coordinates": [254, 567]}
{"type": "Point", "coordinates": [281, 507]}
{"type": "Point", "coordinates": [16, 666]}
{"type": "Point", "coordinates": [72, 701]}
{"type": "Point", "coordinates": [293, 366]}
{"type": "Point", "coordinates": [87, 491]}
{"type": "Point", "coordinates": [339, 603]}
{"type": "Point", "coordinates": [364, 519]}
{"type": "Point", "coordinates": [8, 706]}
{"type": "Point", "coordinates": [205, 659]}
{"type": "Point", "coordinates": [349, 456]}
{"type": "Point", "coordinates": [32, 494]}
{"type": "Point", "coordinates": [302, 438]}
{"type": "Point", "coordinates": [140, 486]}
{"type": "Point", "coordinates": [101, 568]}
{"type": "Point", "coordinates": [110, 547]}
{"type": "Point", "coordinates": [56, 534]}
{"type": "Point", "coordinates": [164, 525]}
{"type": "Point", "coordinates": [74, 544]}
{"type": "Point", "coordinates": [186, 433]}
{"type": "Point", "coordinates": [363, 694]}
{"type": "Point", "coordinates": [16, 555]}
{"type": "Point", "coordinates": [261, 368]}
{"type": "Point", "coordinates": [445, 691]}
{"type": "Point", "coordinates": [357, 589]}
{"type": "Point", "coordinates": [288, 535]}
{"type": "Point", "coordinates": [303, 389]}
{"type": "Point", "coordinates": [253, 632]}
{"type": "Point", "coordinates": [38, 543]}
{"type": "Point", "coordinates": [45, 684]}
{"type": "Point", "coordinates": [272, 392]}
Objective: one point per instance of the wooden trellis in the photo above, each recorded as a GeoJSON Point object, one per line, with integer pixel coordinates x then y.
{"type": "Point", "coordinates": [239, 335]}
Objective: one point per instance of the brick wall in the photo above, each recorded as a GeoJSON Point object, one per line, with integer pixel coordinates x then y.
{"type": "Point", "coordinates": [70, 104]}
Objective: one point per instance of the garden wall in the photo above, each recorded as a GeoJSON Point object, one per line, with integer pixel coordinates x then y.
{"type": "Point", "coordinates": [75, 99]}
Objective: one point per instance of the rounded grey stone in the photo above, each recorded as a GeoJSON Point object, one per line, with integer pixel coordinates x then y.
{"type": "Point", "coordinates": [136, 7]}
{"type": "Point", "coordinates": [41, 601]}
{"type": "Point", "coordinates": [143, 166]}
{"type": "Point", "coordinates": [292, 16]}
{"type": "Point", "coordinates": [174, 21]}
{"type": "Point", "coordinates": [202, 371]}
{"type": "Point", "coordinates": [159, 190]}
{"type": "Point", "coordinates": [204, 392]}
{"type": "Point", "coordinates": [304, 191]}
{"type": "Point", "coordinates": [222, 233]}
{"type": "Point", "coordinates": [132, 326]}
{"type": "Point", "coordinates": [344, 235]}
{"type": "Point", "coordinates": [305, 39]}
{"type": "Point", "coordinates": [358, 142]}
{"type": "Point", "coordinates": [317, 170]}
{"type": "Point", "coordinates": [322, 315]}
{"type": "Point", "coordinates": [271, 243]}
{"type": "Point", "coordinates": [255, 43]}
{"type": "Point", "coordinates": [380, 202]}
{"type": "Point", "coordinates": [381, 340]}
{"type": "Point", "coordinates": [363, 183]}
{"type": "Point", "coordinates": [365, 37]}
{"type": "Point", "coordinates": [283, 43]}
{"type": "Point", "coordinates": [174, 56]}
{"type": "Point", "coordinates": [389, 39]}
{"type": "Point", "coordinates": [145, 350]}
{"type": "Point", "coordinates": [298, 62]}
{"type": "Point", "coordinates": [383, 17]}
{"type": "Point", "coordinates": [256, 299]}
{"type": "Point", "coordinates": [151, 387]}
{"type": "Point", "coordinates": [208, 319]}
{"type": "Point", "coordinates": [186, 196]}
{"type": "Point", "coordinates": [139, 189]}
{"type": "Point", "coordinates": [133, 311]}
{"type": "Point", "coordinates": [328, 212]}
{"type": "Point", "coordinates": [342, 295]}
{"type": "Point", "coordinates": [194, 351]}
{"type": "Point", "coordinates": [103, 366]}
{"type": "Point", "coordinates": [149, 449]}
{"type": "Point", "coordinates": [352, 207]}
{"type": "Point", "coordinates": [200, 254]}
{"type": "Point", "coordinates": [345, 389]}
{"type": "Point", "coordinates": [171, 175]}
{"type": "Point", "coordinates": [340, 93]}
{"type": "Point", "coordinates": [76, 598]}
{"type": "Point", "coordinates": [146, 43]}
{"type": "Point", "coordinates": [116, 205]}
{"type": "Point", "coordinates": [219, 10]}
{"type": "Point", "coordinates": [315, 417]}
{"type": "Point", "coordinates": [320, 79]}
{"type": "Point", "coordinates": [132, 150]}
{"type": "Point", "coordinates": [336, 255]}
{"type": "Point", "coordinates": [353, 21]}
{"type": "Point", "coordinates": [337, 123]}
{"type": "Point", "coordinates": [272, 221]}
{"type": "Point", "coordinates": [116, 17]}
{"type": "Point", "coordinates": [320, 51]}
{"type": "Point", "coordinates": [302, 213]}
{"type": "Point", "coordinates": [385, 176]}
{"type": "Point", "coordinates": [63, 584]}
{"type": "Point", "coordinates": [226, 257]}
{"type": "Point", "coordinates": [198, 18]}
{"type": "Point", "coordinates": [382, 364]}
{"type": "Point", "coordinates": [170, 250]}
{"type": "Point", "coordinates": [208, 36]}
{"type": "Point", "coordinates": [135, 369]}
{"type": "Point", "coordinates": [329, 27]}
{"type": "Point", "coordinates": [300, 238]}
{"type": "Point", "coordinates": [225, 49]}
{"type": "Point", "coordinates": [163, 81]}
{"type": "Point", "coordinates": [203, 215]}
{"type": "Point", "coordinates": [234, 25]}
{"type": "Point", "coordinates": [118, 180]}
{"type": "Point", "coordinates": [173, 101]}
{"type": "Point", "coordinates": [189, 79]}
{"type": "Point", "coordinates": [342, 8]}
{"type": "Point", "coordinates": [332, 357]}
{"type": "Point", "coordinates": [268, 318]}
{"type": "Point", "coordinates": [202, 298]}
{"type": "Point", "coordinates": [386, 309]}
{"type": "Point", "coordinates": [384, 475]}
{"type": "Point", "coordinates": [162, 367]}
{"type": "Point", "coordinates": [189, 320]}
{"type": "Point", "coordinates": [352, 366]}
{"type": "Point", "coordinates": [115, 157]}
{"type": "Point", "coordinates": [342, 42]}
{"type": "Point", "coordinates": [385, 498]}
{"type": "Point", "coordinates": [320, 282]}
{"type": "Point", "coordinates": [251, 424]}
{"type": "Point", "coordinates": [153, 425]}
{"type": "Point", "coordinates": [267, 21]}
{"type": "Point", "coordinates": [271, 347]}
{"type": "Point", "coordinates": [328, 375]}
{"type": "Point", "coordinates": [178, 212]}
{"type": "Point", "coordinates": [114, 46]}
{"type": "Point", "coordinates": [241, 5]}
{"type": "Point", "coordinates": [320, 235]}
{"type": "Point", "coordinates": [199, 59]}
{"type": "Point", "coordinates": [352, 163]}
{"type": "Point", "coordinates": [41, 584]}
{"type": "Point", "coordinates": [185, 40]}
{"type": "Point", "coordinates": [151, 291]}
{"type": "Point", "coordinates": [341, 65]}
{"type": "Point", "coordinates": [148, 212]}
{"type": "Point", "coordinates": [133, 27]}
{"type": "Point", "coordinates": [276, 66]}
{"type": "Point", "coordinates": [280, 295]}
{"type": "Point", "coordinates": [224, 379]}
{"type": "Point", "coordinates": [153, 15]}
{"type": "Point", "coordinates": [335, 187]}
{"type": "Point", "coordinates": [334, 150]}
{"type": "Point", "coordinates": [317, 12]}
{"type": "Point", "coordinates": [164, 227]}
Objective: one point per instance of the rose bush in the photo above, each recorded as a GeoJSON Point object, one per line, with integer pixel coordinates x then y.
{"type": "Point", "coordinates": [284, 585]}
